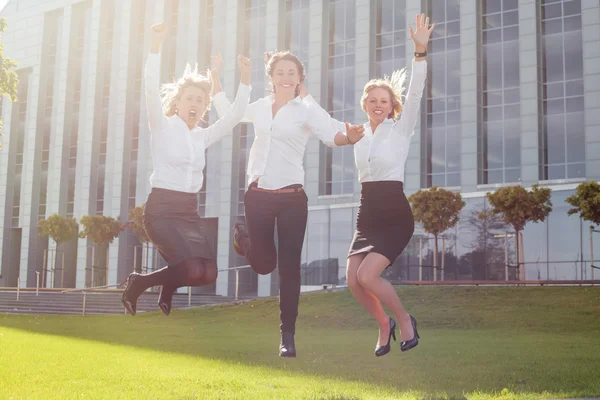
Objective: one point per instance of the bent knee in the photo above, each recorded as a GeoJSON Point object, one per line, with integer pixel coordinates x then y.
{"type": "Point", "coordinates": [365, 278]}
{"type": "Point", "coordinates": [210, 274]}
{"type": "Point", "coordinates": [263, 266]}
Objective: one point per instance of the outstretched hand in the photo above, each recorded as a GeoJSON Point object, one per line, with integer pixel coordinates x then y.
{"type": "Point", "coordinates": [354, 132]}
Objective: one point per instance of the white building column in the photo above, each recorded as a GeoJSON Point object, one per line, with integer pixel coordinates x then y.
{"type": "Point", "coordinates": [412, 174]}
{"type": "Point", "coordinates": [120, 79]}
{"type": "Point", "coordinates": [590, 10]}
{"type": "Point", "coordinates": [528, 72]}
{"type": "Point", "coordinates": [468, 94]}
{"type": "Point", "coordinates": [227, 44]}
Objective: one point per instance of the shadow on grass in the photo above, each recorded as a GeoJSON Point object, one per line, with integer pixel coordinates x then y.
{"type": "Point", "coordinates": [473, 339]}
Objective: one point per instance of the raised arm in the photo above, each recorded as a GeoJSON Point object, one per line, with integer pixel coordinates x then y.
{"type": "Point", "coordinates": [219, 98]}
{"type": "Point", "coordinates": [236, 112]}
{"type": "Point", "coordinates": [410, 108]}
{"type": "Point", "coordinates": [156, 117]}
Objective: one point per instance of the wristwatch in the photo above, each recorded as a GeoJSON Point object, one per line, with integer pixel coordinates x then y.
{"type": "Point", "coordinates": [423, 54]}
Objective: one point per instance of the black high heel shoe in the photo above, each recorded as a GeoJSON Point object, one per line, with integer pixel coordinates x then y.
{"type": "Point", "coordinates": [383, 350]}
{"type": "Point", "coordinates": [165, 306]}
{"type": "Point", "coordinates": [129, 304]}
{"type": "Point", "coordinates": [409, 344]}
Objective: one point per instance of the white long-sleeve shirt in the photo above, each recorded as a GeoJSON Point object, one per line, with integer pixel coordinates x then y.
{"type": "Point", "coordinates": [277, 153]}
{"type": "Point", "coordinates": [178, 153]}
{"type": "Point", "coordinates": [381, 155]}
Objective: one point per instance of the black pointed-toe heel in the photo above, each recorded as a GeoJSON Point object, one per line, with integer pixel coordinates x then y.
{"type": "Point", "coordinates": [165, 306]}
{"type": "Point", "coordinates": [409, 344]}
{"type": "Point", "coordinates": [129, 303]}
{"type": "Point", "coordinates": [287, 348]}
{"type": "Point", "coordinates": [383, 350]}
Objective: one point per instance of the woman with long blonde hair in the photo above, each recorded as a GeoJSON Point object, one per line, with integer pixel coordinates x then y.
{"type": "Point", "coordinates": [385, 222]}
{"type": "Point", "coordinates": [178, 148]}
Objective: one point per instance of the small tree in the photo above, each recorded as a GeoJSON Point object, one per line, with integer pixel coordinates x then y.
{"type": "Point", "coordinates": [586, 202]}
{"type": "Point", "coordinates": [519, 206]}
{"type": "Point", "coordinates": [101, 230]}
{"type": "Point", "coordinates": [437, 210]}
{"type": "Point", "coordinates": [136, 225]}
{"type": "Point", "coordinates": [60, 229]}
{"type": "Point", "coordinates": [8, 76]}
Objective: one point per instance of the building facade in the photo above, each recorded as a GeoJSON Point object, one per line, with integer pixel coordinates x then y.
{"type": "Point", "coordinates": [512, 97]}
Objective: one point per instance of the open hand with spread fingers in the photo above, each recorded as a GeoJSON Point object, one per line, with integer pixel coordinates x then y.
{"type": "Point", "coordinates": [420, 35]}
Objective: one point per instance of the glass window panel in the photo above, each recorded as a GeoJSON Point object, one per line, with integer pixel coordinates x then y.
{"type": "Point", "coordinates": [571, 7]}
{"type": "Point", "coordinates": [555, 133]}
{"type": "Point", "coordinates": [553, 52]}
{"type": "Point", "coordinates": [510, 18]}
{"type": "Point", "coordinates": [576, 170]}
{"type": "Point", "coordinates": [573, 55]}
{"type": "Point", "coordinates": [510, 33]}
{"type": "Point", "coordinates": [573, 24]}
{"type": "Point", "coordinates": [510, 5]}
{"type": "Point", "coordinates": [556, 172]}
{"type": "Point", "coordinates": [495, 153]}
{"type": "Point", "coordinates": [551, 11]}
{"type": "Point", "coordinates": [495, 176]}
{"type": "Point", "coordinates": [512, 96]}
{"type": "Point", "coordinates": [574, 88]}
{"type": "Point", "coordinates": [552, 27]}
{"type": "Point", "coordinates": [512, 111]}
{"type": "Point", "coordinates": [554, 107]}
{"type": "Point", "coordinates": [554, 90]}
{"type": "Point", "coordinates": [492, 6]}
{"type": "Point", "coordinates": [574, 104]}
{"type": "Point", "coordinates": [452, 10]}
{"type": "Point", "coordinates": [492, 36]}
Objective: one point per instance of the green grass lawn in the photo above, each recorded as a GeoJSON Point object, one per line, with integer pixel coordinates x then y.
{"type": "Point", "coordinates": [476, 343]}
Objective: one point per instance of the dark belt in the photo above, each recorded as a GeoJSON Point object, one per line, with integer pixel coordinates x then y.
{"type": "Point", "coordinates": [287, 189]}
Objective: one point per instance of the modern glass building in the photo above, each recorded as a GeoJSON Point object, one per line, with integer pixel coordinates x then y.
{"type": "Point", "coordinates": [512, 97]}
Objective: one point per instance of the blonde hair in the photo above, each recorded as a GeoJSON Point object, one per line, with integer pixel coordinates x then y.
{"type": "Point", "coordinates": [171, 92]}
{"type": "Point", "coordinates": [395, 85]}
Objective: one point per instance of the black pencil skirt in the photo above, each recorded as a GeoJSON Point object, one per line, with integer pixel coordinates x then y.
{"type": "Point", "coordinates": [173, 225]}
{"type": "Point", "coordinates": [384, 222]}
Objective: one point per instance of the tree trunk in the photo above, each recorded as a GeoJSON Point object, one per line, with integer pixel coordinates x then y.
{"type": "Point", "coordinates": [518, 258]}
{"type": "Point", "coordinates": [435, 254]}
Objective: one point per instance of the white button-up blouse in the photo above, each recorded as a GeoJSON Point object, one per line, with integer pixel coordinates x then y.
{"type": "Point", "coordinates": [276, 155]}
{"type": "Point", "coordinates": [381, 155]}
{"type": "Point", "coordinates": [178, 153]}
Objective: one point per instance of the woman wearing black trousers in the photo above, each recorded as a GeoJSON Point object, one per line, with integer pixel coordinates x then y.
{"type": "Point", "coordinates": [283, 123]}
{"type": "Point", "coordinates": [178, 146]}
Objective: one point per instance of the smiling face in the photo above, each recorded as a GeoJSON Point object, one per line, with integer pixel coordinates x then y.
{"type": "Point", "coordinates": [285, 77]}
{"type": "Point", "coordinates": [192, 105]}
{"type": "Point", "coordinates": [378, 104]}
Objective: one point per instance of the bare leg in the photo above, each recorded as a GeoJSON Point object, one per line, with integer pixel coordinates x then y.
{"type": "Point", "coordinates": [366, 298]}
{"type": "Point", "coordinates": [369, 277]}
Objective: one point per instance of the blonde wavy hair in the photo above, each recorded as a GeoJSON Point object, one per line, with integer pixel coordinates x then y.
{"type": "Point", "coordinates": [171, 92]}
{"type": "Point", "coordinates": [394, 84]}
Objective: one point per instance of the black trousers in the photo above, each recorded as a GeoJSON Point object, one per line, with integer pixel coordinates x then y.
{"type": "Point", "coordinates": [289, 211]}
